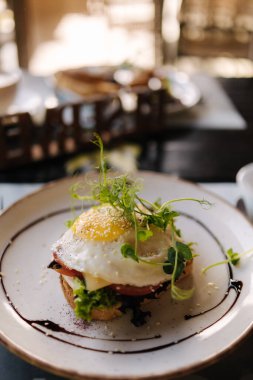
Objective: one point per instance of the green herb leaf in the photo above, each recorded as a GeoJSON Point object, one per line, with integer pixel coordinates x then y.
{"type": "Point", "coordinates": [86, 301]}
{"type": "Point", "coordinates": [168, 267]}
{"type": "Point", "coordinates": [144, 235]}
{"type": "Point", "coordinates": [171, 260]}
{"type": "Point", "coordinates": [162, 218]}
{"type": "Point", "coordinates": [179, 264]}
{"type": "Point", "coordinates": [234, 257]}
{"type": "Point", "coordinates": [185, 250]}
{"type": "Point", "coordinates": [69, 223]}
{"type": "Point", "coordinates": [128, 252]}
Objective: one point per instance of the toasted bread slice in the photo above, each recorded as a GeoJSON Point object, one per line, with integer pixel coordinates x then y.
{"type": "Point", "coordinates": [96, 314]}
{"type": "Point", "coordinates": [108, 314]}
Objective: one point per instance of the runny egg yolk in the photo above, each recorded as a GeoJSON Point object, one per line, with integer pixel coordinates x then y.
{"type": "Point", "coordinates": [102, 223]}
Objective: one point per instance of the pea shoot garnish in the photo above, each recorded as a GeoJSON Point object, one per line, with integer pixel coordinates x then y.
{"type": "Point", "coordinates": [144, 216]}
{"type": "Point", "coordinates": [232, 258]}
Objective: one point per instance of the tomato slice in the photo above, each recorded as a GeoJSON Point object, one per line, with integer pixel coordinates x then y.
{"type": "Point", "coordinates": [65, 270]}
{"type": "Point", "coordinates": [69, 272]}
{"type": "Point", "coordinates": [129, 290]}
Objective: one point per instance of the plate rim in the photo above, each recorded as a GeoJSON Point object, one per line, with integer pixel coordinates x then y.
{"type": "Point", "coordinates": [11, 346]}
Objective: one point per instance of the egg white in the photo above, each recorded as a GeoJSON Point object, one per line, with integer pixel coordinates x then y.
{"type": "Point", "coordinates": [104, 259]}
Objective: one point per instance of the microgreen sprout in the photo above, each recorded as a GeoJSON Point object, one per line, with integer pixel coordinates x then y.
{"type": "Point", "coordinates": [232, 258]}
{"type": "Point", "coordinates": [69, 223]}
{"type": "Point", "coordinates": [123, 193]}
{"type": "Point", "coordinates": [178, 254]}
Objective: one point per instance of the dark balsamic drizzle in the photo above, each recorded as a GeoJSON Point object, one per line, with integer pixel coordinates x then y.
{"type": "Point", "coordinates": [236, 285]}
{"type": "Point", "coordinates": [233, 284]}
{"type": "Point", "coordinates": [52, 326]}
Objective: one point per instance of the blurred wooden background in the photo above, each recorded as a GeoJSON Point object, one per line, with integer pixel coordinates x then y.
{"type": "Point", "coordinates": [216, 27]}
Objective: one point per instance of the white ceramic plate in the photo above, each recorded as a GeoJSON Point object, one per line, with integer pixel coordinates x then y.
{"type": "Point", "coordinates": [37, 324]}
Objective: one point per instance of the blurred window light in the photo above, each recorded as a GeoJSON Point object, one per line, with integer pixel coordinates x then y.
{"type": "Point", "coordinates": [6, 21]}
{"type": "Point", "coordinates": [103, 38]}
{"type": "Point", "coordinates": [3, 5]}
{"type": "Point", "coordinates": [220, 66]}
